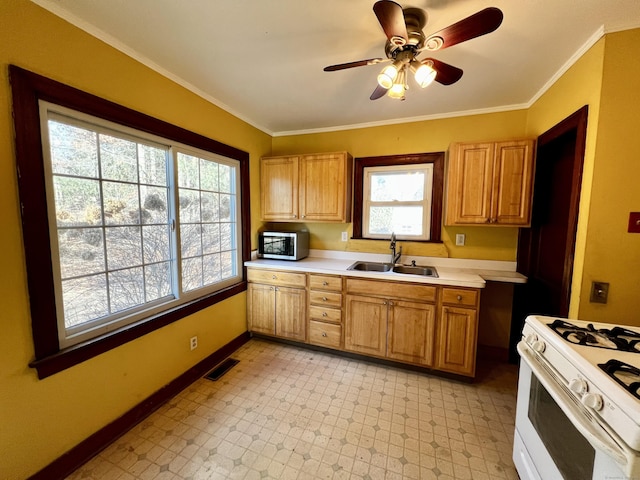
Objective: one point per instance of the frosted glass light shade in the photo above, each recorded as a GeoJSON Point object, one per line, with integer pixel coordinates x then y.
{"type": "Point", "coordinates": [424, 75]}
{"type": "Point", "coordinates": [387, 76]}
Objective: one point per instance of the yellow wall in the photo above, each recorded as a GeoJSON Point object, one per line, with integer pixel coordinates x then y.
{"type": "Point", "coordinates": [611, 254]}
{"type": "Point", "coordinates": [42, 419]}
{"type": "Point", "coordinates": [496, 243]}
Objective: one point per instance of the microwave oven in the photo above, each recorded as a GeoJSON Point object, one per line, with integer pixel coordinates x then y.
{"type": "Point", "coordinates": [283, 245]}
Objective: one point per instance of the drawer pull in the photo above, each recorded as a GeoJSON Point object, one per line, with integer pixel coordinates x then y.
{"type": "Point", "coordinates": [324, 314]}
{"type": "Point", "coordinates": [324, 334]}
{"type": "Point", "coordinates": [325, 283]}
{"type": "Point", "coordinates": [324, 299]}
{"type": "Point", "coordinates": [459, 297]}
{"type": "Point", "coordinates": [274, 277]}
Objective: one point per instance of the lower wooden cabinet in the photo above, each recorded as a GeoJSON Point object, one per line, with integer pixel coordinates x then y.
{"type": "Point", "coordinates": [458, 331]}
{"type": "Point", "coordinates": [274, 309]}
{"type": "Point", "coordinates": [427, 325]}
{"type": "Point", "coordinates": [411, 335]}
{"type": "Point", "coordinates": [366, 325]}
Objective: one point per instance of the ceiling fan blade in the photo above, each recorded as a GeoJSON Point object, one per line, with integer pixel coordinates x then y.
{"type": "Point", "coordinates": [391, 20]}
{"type": "Point", "coordinates": [359, 63]}
{"type": "Point", "coordinates": [445, 74]}
{"type": "Point", "coordinates": [480, 23]}
{"type": "Point", "coordinates": [378, 93]}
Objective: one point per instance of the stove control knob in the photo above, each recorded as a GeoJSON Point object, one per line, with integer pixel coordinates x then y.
{"type": "Point", "coordinates": [530, 338]}
{"type": "Point", "coordinates": [593, 400]}
{"type": "Point", "coordinates": [538, 346]}
{"type": "Point", "coordinates": [578, 386]}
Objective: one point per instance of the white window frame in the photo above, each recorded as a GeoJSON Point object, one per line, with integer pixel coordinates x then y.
{"type": "Point", "coordinates": [425, 203]}
{"type": "Point", "coordinates": [95, 328]}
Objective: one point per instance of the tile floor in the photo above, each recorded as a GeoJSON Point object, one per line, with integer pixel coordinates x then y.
{"type": "Point", "coordinates": [288, 413]}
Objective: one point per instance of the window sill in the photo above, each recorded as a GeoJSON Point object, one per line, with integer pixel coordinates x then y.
{"type": "Point", "coordinates": [76, 354]}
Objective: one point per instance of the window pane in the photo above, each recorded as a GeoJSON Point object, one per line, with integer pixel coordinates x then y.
{"type": "Point", "coordinates": [211, 269]}
{"type": "Point", "coordinates": [210, 207]}
{"type": "Point", "coordinates": [189, 206]}
{"type": "Point", "coordinates": [124, 247]}
{"type": "Point", "coordinates": [84, 299]}
{"type": "Point", "coordinates": [402, 187]}
{"type": "Point", "coordinates": [227, 212]}
{"type": "Point", "coordinates": [210, 238]}
{"type": "Point", "coordinates": [74, 150]}
{"type": "Point", "coordinates": [188, 172]}
{"type": "Point", "coordinates": [191, 273]}
{"type": "Point", "coordinates": [126, 289]}
{"type": "Point", "coordinates": [118, 158]}
{"type": "Point", "coordinates": [77, 201]}
{"type": "Point", "coordinates": [191, 240]}
{"type": "Point", "coordinates": [154, 205]}
{"type": "Point", "coordinates": [121, 203]}
{"type": "Point", "coordinates": [157, 281]}
{"type": "Point", "coordinates": [227, 241]}
{"type": "Point", "coordinates": [228, 264]}
{"type": "Point", "coordinates": [81, 251]}
{"type": "Point", "coordinates": [400, 220]}
{"type": "Point", "coordinates": [156, 243]}
{"type": "Point", "coordinates": [209, 176]}
{"type": "Point", "coordinates": [226, 181]}
{"type": "Point", "coordinates": [153, 165]}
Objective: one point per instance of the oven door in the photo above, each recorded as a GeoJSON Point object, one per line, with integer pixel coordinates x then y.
{"type": "Point", "coordinates": [556, 437]}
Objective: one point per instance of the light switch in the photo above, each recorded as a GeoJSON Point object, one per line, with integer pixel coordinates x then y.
{"type": "Point", "coordinates": [634, 222]}
{"type": "Point", "coordinates": [599, 292]}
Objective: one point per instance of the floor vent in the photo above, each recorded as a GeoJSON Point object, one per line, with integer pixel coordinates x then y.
{"type": "Point", "coordinates": [221, 369]}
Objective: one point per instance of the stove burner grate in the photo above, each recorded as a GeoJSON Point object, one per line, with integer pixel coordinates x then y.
{"type": "Point", "coordinates": [626, 375]}
{"type": "Point", "coordinates": [616, 338]}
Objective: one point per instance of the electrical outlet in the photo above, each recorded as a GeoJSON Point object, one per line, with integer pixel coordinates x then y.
{"type": "Point", "coordinates": [460, 239]}
{"type": "Point", "coordinates": [344, 236]}
{"type": "Point", "coordinates": [193, 343]}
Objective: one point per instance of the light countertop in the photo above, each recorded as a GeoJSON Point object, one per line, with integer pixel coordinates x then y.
{"type": "Point", "coordinates": [454, 272]}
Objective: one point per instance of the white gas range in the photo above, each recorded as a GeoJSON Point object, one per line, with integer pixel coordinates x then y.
{"type": "Point", "coordinates": [578, 410]}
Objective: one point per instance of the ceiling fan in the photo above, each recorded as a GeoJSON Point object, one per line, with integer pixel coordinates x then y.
{"type": "Point", "coordinates": [406, 40]}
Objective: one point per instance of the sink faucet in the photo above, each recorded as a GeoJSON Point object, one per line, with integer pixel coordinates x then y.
{"type": "Point", "coordinates": [395, 257]}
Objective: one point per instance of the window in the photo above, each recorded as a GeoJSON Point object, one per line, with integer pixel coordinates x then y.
{"type": "Point", "coordinates": [129, 223]}
{"type": "Point", "coordinates": [399, 194]}
{"type": "Point", "coordinates": [397, 200]}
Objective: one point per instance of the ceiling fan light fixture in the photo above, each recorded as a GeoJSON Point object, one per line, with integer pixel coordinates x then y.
{"type": "Point", "coordinates": [399, 87]}
{"type": "Point", "coordinates": [424, 73]}
{"type": "Point", "coordinates": [387, 76]}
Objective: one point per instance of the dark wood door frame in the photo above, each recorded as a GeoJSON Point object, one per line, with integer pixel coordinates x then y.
{"type": "Point", "coordinates": [576, 125]}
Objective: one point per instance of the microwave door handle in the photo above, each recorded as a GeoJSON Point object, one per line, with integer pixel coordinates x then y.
{"type": "Point", "coordinates": [596, 435]}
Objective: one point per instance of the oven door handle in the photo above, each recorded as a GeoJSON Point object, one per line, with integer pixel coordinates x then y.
{"type": "Point", "coordinates": [594, 433]}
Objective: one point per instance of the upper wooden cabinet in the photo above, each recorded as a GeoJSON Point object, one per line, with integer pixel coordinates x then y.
{"type": "Point", "coordinates": [307, 188]}
{"type": "Point", "coordinates": [490, 183]}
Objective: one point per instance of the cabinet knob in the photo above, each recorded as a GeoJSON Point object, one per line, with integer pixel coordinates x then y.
{"type": "Point", "coordinates": [270, 288]}
{"type": "Point", "coordinates": [324, 334]}
{"type": "Point", "coordinates": [277, 290]}
{"type": "Point", "coordinates": [324, 314]}
{"type": "Point", "coordinates": [325, 283]}
{"type": "Point", "coordinates": [303, 216]}
{"type": "Point", "coordinates": [274, 277]}
{"type": "Point", "coordinates": [459, 297]}
{"type": "Point", "coordinates": [324, 299]}
{"type": "Point", "coordinates": [294, 216]}
{"type": "Point", "coordinates": [391, 303]}
{"type": "Point", "coordinates": [384, 303]}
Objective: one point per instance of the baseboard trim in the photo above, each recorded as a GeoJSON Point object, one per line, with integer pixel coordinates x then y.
{"type": "Point", "coordinates": [88, 448]}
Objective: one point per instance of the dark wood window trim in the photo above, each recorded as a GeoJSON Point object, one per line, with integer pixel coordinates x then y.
{"type": "Point", "coordinates": [27, 89]}
{"type": "Point", "coordinates": [436, 158]}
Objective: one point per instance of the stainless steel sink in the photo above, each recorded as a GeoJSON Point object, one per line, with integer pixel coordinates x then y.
{"type": "Point", "coordinates": [370, 266]}
{"type": "Point", "coordinates": [416, 270]}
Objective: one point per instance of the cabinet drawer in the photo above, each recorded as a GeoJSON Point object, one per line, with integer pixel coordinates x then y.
{"type": "Point", "coordinates": [458, 296]}
{"type": "Point", "coordinates": [325, 334]}
{"type": "Point", "coordinates": [423, 293]}
{"type": "Point", "coordinates": [325, 298]}
{"type": "Point", "coordinates": [325, 282]}
{"type": "Point", "coordinates": [276, 277]}
{"type": "Point", "coordinates": [325, 314]}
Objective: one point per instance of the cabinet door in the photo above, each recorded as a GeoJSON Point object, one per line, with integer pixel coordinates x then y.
{"type": "Point", "coordinates": [261, 308]}
{"type": "Point", "coordinates": [513, 178]}
{"type": "Point", "coordinates": [366, 325]}
{"type": "Point", "coordinates": [457, 333]}
{"type": "Point", "coordinates": [411, 332]}
{"type": "Point", "coordinates": [290, 313]}
{"type": "Point", "coordinates": [325, 188]}
{"type": "Point", "coordinates": [469, 186]}
{"type": "Point", "coordinates": [279, 188]}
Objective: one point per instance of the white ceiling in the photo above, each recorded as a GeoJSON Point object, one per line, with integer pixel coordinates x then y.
{"type": "Point", "coordinates": [262, 60]}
